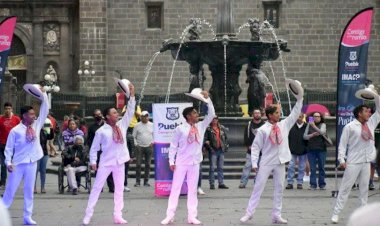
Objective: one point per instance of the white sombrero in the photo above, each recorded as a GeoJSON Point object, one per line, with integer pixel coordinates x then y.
{"type": "Point", "coordinates": [368, 93]}
{"type": "Point", "coordinates": [196, 93]}
{"type": "Point", "coordinates": [124, 85]}
{"type": "Point", "coordinates": [34, 90]}
{"type": "Point", "coordinates": [294, 86]}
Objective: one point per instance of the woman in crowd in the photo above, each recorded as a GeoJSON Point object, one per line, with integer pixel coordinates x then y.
{"type": "Point", "coordinates": [71, 131]}
{"type": "Point", "coordinates": [315, 130]}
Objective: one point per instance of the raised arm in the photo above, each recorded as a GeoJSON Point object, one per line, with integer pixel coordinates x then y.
{"type": "Point", "coordinates": [44, 111]}
{"type": "Point", "coordinates": [375, 118]}
{"type": "Point", "coordinates": [210, 115]}
{"type": "Point", "coordinates": [126, 119]}
{"type": "Point", "coordinates": [294, 114]}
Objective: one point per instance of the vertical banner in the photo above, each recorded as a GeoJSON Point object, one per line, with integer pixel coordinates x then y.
{"type": "Point", "coordinates": [7, 27]}
{"type": "Point", "coordinates": [166, 117]}
{"type": "Point", "coordinates": [352, 67]}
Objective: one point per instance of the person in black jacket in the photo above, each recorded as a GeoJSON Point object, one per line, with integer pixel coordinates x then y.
{"type": "Point", "coordinates": [74, 161]}
{"type": "Point", "coordinates": [41, 164]}
{"type": "Point", "coordinates": [297, 146]}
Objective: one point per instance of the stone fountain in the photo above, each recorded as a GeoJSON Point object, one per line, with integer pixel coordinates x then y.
{"type": "Point", "coordinates": [225, 89]}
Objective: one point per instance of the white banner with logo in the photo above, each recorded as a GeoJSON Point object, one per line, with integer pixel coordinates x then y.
{"type": "Point", "coordinates": [166, 117]}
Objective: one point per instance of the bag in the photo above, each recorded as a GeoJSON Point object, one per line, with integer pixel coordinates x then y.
{"type": "Point", "coordinates": [328, 141]}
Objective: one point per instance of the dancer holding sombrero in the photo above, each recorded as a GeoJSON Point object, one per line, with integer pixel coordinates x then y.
{"type": "Point", "coordinates": [185, 155]}
{"type": "Point", "coordinates": [23, 150]}
{"type": "Point", "coordinates": [110, 138]}
{"type": "Point", "coordinates": [272, 140]}
{"type": "Point", "coordinates": [357, 149]}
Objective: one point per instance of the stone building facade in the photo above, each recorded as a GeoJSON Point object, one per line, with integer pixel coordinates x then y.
{"type": "Point", "coordinates": [114, 36]}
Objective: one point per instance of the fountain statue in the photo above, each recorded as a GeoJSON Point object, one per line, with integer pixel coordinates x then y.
{"type": "Point", "coordinates": [225, 55]}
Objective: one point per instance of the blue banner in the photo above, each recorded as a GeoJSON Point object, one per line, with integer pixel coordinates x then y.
{"type": "Point", "coordinates": [352, 67]}
{"type": "Point", "coordinates": [166, 117]}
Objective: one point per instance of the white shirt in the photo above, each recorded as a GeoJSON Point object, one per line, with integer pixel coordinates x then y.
{"type": "Point", "coordinates": [274, 153]}
{"type": "Point", "coordinates": [143, 134]}
{"type": "Point", "coordinates": [112, 153]}
{"type": "Point", "coordinates": [18, 150]}
{"type": "Point", "coordinates": [352, 146]}
{"type": "Point", "coordinates": [183, 153]}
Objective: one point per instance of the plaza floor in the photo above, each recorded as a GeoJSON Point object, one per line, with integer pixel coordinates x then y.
{"type": "Point", "coordinates": [218, 207]}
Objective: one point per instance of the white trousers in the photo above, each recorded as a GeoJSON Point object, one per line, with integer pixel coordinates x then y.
{"type": "Point", "coordinates": [261, 180]}
{"type": "Point", "coordinates": [70, 173]}
{"type": "Point", "coordinates": [360, 171]}
{"type": "Point", "coordinates": [192, 174]}
{"type": "Point", "coordinates": [101, 177]}
{"type": "Point", "coordinates": [28, 172]}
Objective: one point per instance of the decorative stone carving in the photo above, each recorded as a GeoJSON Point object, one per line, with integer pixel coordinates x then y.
{"type": "Point", "coordinates": [254, 28]}
{"type": "Point", "coordinates": [51, 35]}
{"type": "Point", "coordinates": [196, 30]}
{"type": "Point", "coordinates": [27, 26]}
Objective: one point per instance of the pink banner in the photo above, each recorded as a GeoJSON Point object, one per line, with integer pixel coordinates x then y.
{"type": "Point", "coordinates": [7, 27]}
{"type": "Point", "coordinates": [359, 30]}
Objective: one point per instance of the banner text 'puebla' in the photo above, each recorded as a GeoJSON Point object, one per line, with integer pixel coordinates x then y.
{"type": "Point", "coordinates": [352, 67]}
{"type": "Point", "coordinates": [166, 117]}
{"type": "Point", "coordinates": [7, 27]}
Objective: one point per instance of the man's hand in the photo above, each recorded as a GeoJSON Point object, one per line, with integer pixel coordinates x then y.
{"type": "Point", "coordinates": [205, 94]}
{"type": "Point", "coordinates": [76, 159]}
{"type": "Point", "coordinates": [131, 89]}
{"type": "Point", "coordinates": [254, 169]}
{"type": "Point", "coordinates": [342, 165]}
{"type": "Point", "coordinates": [93, 167]}
{"type": "Point", "coordinates": [172, 167]}
{"type": "Point", "coordinates": [10, 168]}
{"type": "Point", "coordinates": [315, 134]}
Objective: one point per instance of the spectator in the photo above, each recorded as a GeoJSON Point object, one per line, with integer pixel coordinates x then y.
{"type": "Point", "coordinates": [65, 122]}
{"type": "Point", "coordinates": [297, 146]}
{"type": "Point", "coordinates": [83, 127]}
{"type": "Point", "coordinates": [50, 142]}
{"type": "Point", "coordinates": [316, 150]}
{"type": "Point", "coordinates": [71, 132]}
{"type": "Point", "coordinates": [143, 138]}
{"type": "Point", "coordinates": [249, 135]}
{"type": "Point", "coordinates": [99, 122]}
{"type": "Point", "coordinates": [7, 122]}
{"type": "Point", "coordinates": [217, 143]}
{"type": "Point", "coordinates": [41, 164]}
{"type": "Point", "coordinates": [74, 161]}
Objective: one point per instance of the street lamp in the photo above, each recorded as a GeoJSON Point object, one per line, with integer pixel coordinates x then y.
{"type": "Point", "coordinates": [86, 68]}
{"type": "Point", "coordinates": [50, 84]}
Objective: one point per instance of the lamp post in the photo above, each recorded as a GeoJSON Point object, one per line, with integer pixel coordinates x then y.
{"type": "Point", "coordinates": [86, 68]}
{"type": "Point", "coordinates": [50, 84]}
